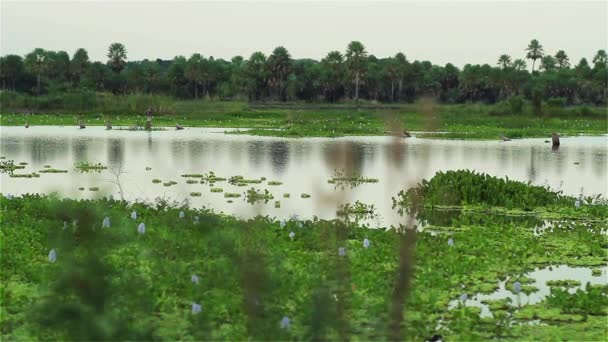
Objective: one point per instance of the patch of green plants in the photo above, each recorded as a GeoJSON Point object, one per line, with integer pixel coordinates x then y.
{"type": "Point", "coordinates": [94, 188]}
{"type": "Point", "coordinates": [359, 209]}
{"type": "Point", "coordinates": [53, 171]}
{"type": "Point", "coordinates": [342, 179]}
{"type": "Point", "coordinates": [304, 195]}
{"type": "Point", "coordinates": [9, 166]}
{"type": "Point", "coordinates": [286, 195]}
{"type": "Point", "coordinates": [170, 183]}
{"type": "Point", "coordinates": [193, 175]}
{"type": "Point", "coordinates": [236, 180]}
{"type": "Point", "coordinates": [210, 178]}
{"type": "Point", "coordinates": [593, 300]}
{"type": "Point", "coordinates": [81, 188]}
{"type": "Point", "coordinates": [22, 163]}
{"type": "Point", "coordinates": [563, 283]}
{"type": "Point", "coordinates": [195, 194]}
{"type": "Point", "coordinates": [217, 190]}
{"type": "Point", "coordinates": [24, 175]}
{"type": "Point", "coordinates": [156, 181]}
{"type": "Point", "coordinates": [253, 196]}
{"type": "Point", "coordinates": [192, 181]}
{"type": "Point", "coordinates": [231, 195]}
{"type": "Point", "coordinates": [89, 167]}
{"type": "Point", "coordinates": [275, 183]}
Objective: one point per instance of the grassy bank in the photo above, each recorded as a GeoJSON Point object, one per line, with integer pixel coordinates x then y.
{"type": "Point", "coordinates": [466, 121]}
{"type": "Point", "coordinates": [87, 270]}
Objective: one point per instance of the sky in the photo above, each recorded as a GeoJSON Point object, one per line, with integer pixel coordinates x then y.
{"type": "Point", "coordinates": [443, 31]}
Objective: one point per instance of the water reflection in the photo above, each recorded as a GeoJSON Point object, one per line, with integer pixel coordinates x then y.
{"type": "Point", "coordinates": [302, 165]}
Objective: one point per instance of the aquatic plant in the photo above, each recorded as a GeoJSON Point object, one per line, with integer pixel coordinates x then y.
{"type": "Point", "coordinates": [303, 195]}
{"type": "Point", "coordinates": [341, 179]}
{"type": "Point", "coordinates": [53, 171]}
{"type": "Point", "coordinates": [252, 196]}
{"type": "Point", "coordinates": [277, 204]}
{"type": "Point", "coordinates": [195, 194]}
{"type": "Point", "coordinates": [236, 180]}
{"type": "Point", "coordinates": [192, 181]}
{"type": "Point", "coordinates": [563, 283]}
{"type": "Point", "coordinates": [169, 183]}
{"type": "Point", "coordinates": [106, 222]}
{"type": "Point", "coordinates": [24, 175]}
{"type": "Point", "coordinates": [193, 175]}
{"type": "Point", "coordinates": [81, 188]}
{"type": "Point", "coordinates": [141, 228]}
{"type": "Point", "coordinates": [156, 181]}
{"type": "Point", "coordinates": [84, 167]}
{"type": "Point", "coordinates": [181, 215]}
{"type": "Point", "coordinates": [9, 166]}
{"type": "Point", "coordinates": [231, 195]}
{"type": "Point", "coordinates": [286, 195]}
{"type": "Point", "coordinates": [134, 215]}
{"type": "Point", "coordinates": [94, 188]}
{"type": "Point", "coordinates": [216, 190]}
{"type": "Point", "coordinates": [366, 243]}
{"type": "Point", "coordinates": [359, 209]}
{"type": "Point", "coordinates": [292, 235]}
{"type": "Point", "coordinates": [275, 183]}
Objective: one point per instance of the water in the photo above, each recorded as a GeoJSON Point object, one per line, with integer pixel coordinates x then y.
{"type": "Point", "coordinates": [540, 276]}
{"type": "Point", "coordinates": [303, 165]}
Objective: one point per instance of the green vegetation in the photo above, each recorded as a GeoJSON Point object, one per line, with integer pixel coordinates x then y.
{"type": "Point", "coordinates": [169, 183]}
{"type": "Point", "coordinates": [52, 171]}
{"type": "Point", "coordinates": [253, 270]}
{"type": "Point", "coordinates": [9, 166]}
{"type": "Point", "coordinates": [24, 175]}
{"type": "Point", "coordinates": [94, 188]}
{"type": "Point", "coordinates": [275, 183]}
{"type": "Point", "coordinates": [195, 194]}
{"type": "Point", "coordinates": [217, 190]}
{"type": "Point", "coordinates": [231, 195]}
{"type": "Point", "coordinates": [156, 181]}
{"type": "Point", "coordinates": [304, 195]}
{"type": "Point", "coordinates": [359, 209]}
{"type": "Point", "coordinates": [89, 167]}
{"type": "Point", "coordinates": [342, 180]}
{"type": "Point", "coordinates": [252, 196]}
{"type": "Point", "coordinates": [563, 283]}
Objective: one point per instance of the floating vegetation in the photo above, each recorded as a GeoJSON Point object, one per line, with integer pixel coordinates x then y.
{"type": "Point", "coordinates": [23, 163]}
{"type": "Point", "coordinates": [277, 204]}
{"type": "Point", "coordinates": [9, 166]}
{"type": "Point", "coordinates": [193, 175]}
{"type": "Point", "coordinates": [3, 157]}
{"type": "Point", "coordinates": [286, 195]}
{"type": "Point", "coordinates": [24, 175]}
{"type": "Point", "coordinates": [229, 201]}
{"type": "Point", "coordinates": [192, 181]}
{"type": "Point", "coordinates": [275, 183]}
{"type": "Point", "coordinates": [303, 195]}
{"type": "Point", "coordinates": [217, 190]}
{"type": "Point", "coordinates": [231, 195]}
{"type": "Point", "coordinates": [212, 178]}
{"type": "Point", "coordinates": [263, 179]}
{"type": "Point", "coordinates": [341, 180]}
{"type": "Point", "coordinates": [563, 283]}
{"type": "Point", "coordinates": [47, 166]}
{"type": "Point", "coordinates": [195, 194]}
{"type": "Point", "coordinates": [254, 196]}
{"type": "Point", "coordinates": [94, 188]}
{"type": "Point", "coordinates": [148, 168]}
{"type": "Point", "coordinates": [81, 188]}
{"type": "Point", "coordinates": [169, 183]}
{"type": "Point", "coordinates": [156, 181]}
{"type": "Point", "coordinates": [359, 209]}
{"type": "Point", "coordinates": [53, 171]}
{"type": "Point", "coordinates": [596, 272]}
{"type": "Point", "coordinates": [236, 180]}
{"type": "Point", "coordinates": [89, 167]}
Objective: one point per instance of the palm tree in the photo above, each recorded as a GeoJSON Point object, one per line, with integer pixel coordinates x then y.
{"type": "Point", "coordinates": [402, 64]}
{"type": "Point", "coordinates": [391, 67]}
{"type": "Point", "coordinates": [194, 71]}
{"type": "Point", "coordinates": [279, 66]}
{"type": "Point", "coordinates": [504, 61]}
{"type": "Point", "coordinates": [117, 55]}
{"type": "Point", "coordinates": [255, 70]}
{"type": "Point", "coordinates": [519, 64]}
{"type": "Point", "coordinates": [562, 60]}
{"type": "Point", "coordinates": [36, 61]}
{"type": "Point", "coordinates": [535, 51]}
{"type": "Point", "coordinates": [547, 63]}
{"type": "Point", "coordinates": [600, 58]}
{"type": "Point", "coordinates": [80, 64]}
{"type": "Point", "coordinates": [332, 75]}
{"type": "Point", "coordinates": [356, 57]}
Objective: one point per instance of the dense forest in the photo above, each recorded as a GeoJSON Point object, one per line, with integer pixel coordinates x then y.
{"type": "Point", "coordinates": [352, 75]}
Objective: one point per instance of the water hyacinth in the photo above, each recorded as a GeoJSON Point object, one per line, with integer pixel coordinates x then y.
{"type": "Point", "coordinates": [141, 228]}
{"type": "Point", "coordinates": [282, 224]}
{"type": "Point", "coordinates": [8, 196]}
{"type": "Point", "coordinates": [196, 308]}
{"type": "Point", "coordinates": [52, 255]}
{"type": "Point", "coordinates": [106, 222]}
{"type": "Point", "coordinates": [451, 242]}
{"type": "Point", "coordinates": [194, 279]}
{"type": "Point", "coordinates": [292, 235]}
{"type": "Point", "coordinates": [577, 203]}
{"type": "Point", "coordinates": [300, 225]}
{"type": "Point", "coordinates": [134, 215]}
{"type": "Point", "coordinates": [463, 297]}
{"type": "Point", "coordinates": [517, 287]}
{"type": "Point", "coordinates": [196, 220]}
{"type": "Point", "coordinates": [341, 251]}
{"type": "Point", "coordinates": [366, 243]}
{"type": "Point", "coordinates": [181, 215]}
{"type": "Point", "coordinates": [285, 322]}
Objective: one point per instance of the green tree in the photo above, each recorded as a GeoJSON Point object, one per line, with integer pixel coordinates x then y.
{"type": "Point", "coordinates": [279, 67]}
{"type": "Point", "coordinates": [356, 60]}
{"type": "Point", "coordinates": [176, 76]}
{"type": "Point", "coordinates": [519, 64]}
{"type": "Point", "coordinates": [535, 51]}
{"type": "Point", "coordinates": [36, 63]}
{"type": "Point", "coordinates": [504, 61]}
{"type": "Point", "coordinates": [547, 63]}
{"type": "Point", "coordinates": [332, 75]}
{"type": "Point", "coordinates": [562, 60]}
{"type": "Point", "coordinates": [403, 65]}
{"type": "Point", "coordinates": [79, 65]}
{"type": "Point", "coordinates": [194, 71]}
{"type": "Point", "coordinates": [600, 59]}
{"type": "Point", "coordinates": [117, 55]}
{"type": "Point", "coordinates": [11, 70]}
{"type": "Point", "coordinates": [256, 75]}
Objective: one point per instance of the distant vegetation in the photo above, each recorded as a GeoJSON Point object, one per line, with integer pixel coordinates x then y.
{"type": "Point", "coordinates": [46, 79]}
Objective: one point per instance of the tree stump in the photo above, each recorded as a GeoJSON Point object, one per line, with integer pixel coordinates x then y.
{"type": "Point", "coordinates": [555, 139]}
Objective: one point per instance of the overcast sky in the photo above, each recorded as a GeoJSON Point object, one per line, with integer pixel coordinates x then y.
{"type": "Point", "coordinates": [446, 31]}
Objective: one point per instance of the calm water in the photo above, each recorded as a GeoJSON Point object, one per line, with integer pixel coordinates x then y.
{"type": "Point", "coordinates": [303, 165]}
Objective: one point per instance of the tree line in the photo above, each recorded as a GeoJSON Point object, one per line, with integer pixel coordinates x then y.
{"type": "Point", "coordinates": [352, 75]}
